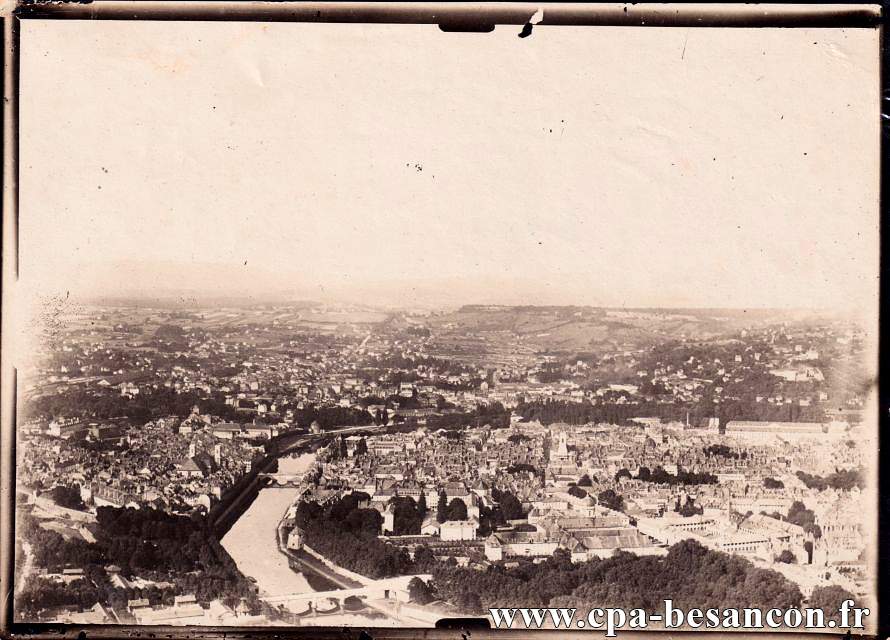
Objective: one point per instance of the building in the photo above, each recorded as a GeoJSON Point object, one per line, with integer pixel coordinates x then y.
{"type": "Point", "coordinates": [525, 544]}
{"type": "Point", "coordinates": [262, 431]}
{"type": "Point", "coordinates": [67, 428]}
{"type": "Point", "coordinates": [756, 535]}
{"type": "Point", "coordinates": [765, 431]}
{"type": "Point", "coordinates": [188, 468]}
{"type": "Point", "coordinates": [295, 539]}
{"type": "Point", "coordinates": [389, 519]}
{"type": "Point", "coordinates": [430, 526]}
{"type": "Point", "coordinates": [226, 430]}
{"type": "Point", "coordinates": [458, 530]}
{"type": "Point", "coordinates": [108, 496]}
{"type": "Point", "coordinates": [560, 455]}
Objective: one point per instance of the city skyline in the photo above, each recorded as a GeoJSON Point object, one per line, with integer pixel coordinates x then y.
{"type": "Point", "coordinates": [416, 456]}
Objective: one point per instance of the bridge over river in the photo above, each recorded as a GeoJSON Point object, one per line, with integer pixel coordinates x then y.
{"type": "Point", "coordinates": [234, 505]}
{"type": "Point", "coordinates": [281, 479]}
{"type": "Point", "coordinates": [393, 589]}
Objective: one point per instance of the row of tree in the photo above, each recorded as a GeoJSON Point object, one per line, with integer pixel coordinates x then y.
{"type": "Point", "coordinates": [660, 476]}
{"type": "Point", "coordinates": [799, 514]}
{"type": "Point", "coordinates": [493, 414]}
{"type": "Point", "coordinates": [690, 575]}
{"type": "Point", "coordinates": [843, 479]}
{"type": "Point", "coordinates": [332, 417]}
{"type": "Point", "coordinates": [104, 404]}
{"type": "Point", "coordinates": [346, 533]}
{"type": "Point", "coordinates": [177, 552]}
{"type": "Point", "coordinates": [669, 410]}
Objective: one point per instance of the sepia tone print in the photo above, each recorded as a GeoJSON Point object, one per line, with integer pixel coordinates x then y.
{"type": "Point", "coordinates": [374, 325]}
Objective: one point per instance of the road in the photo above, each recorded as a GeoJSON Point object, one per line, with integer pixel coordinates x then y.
{"type": "Point", "coordinates": [314, 565]}
{"type": "Point", "coordinates": [26, 567]}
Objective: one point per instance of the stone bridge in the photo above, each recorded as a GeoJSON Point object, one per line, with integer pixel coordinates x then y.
{"type": "Point", "coordinates": [282, 479]}
{"type": "Point", "coordinates": [394, 589]}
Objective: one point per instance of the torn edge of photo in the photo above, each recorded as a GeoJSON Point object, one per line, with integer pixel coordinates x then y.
{"type": "Point", "coordinates": [387, 320]}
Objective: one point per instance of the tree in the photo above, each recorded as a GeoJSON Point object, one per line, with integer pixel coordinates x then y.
{"type": "Point", "coordinates": [829, 599]}
{"type": "Point", "coordinates": [363, 522]}
{"type": "Point", "coordinates": [798, 514]}
{"type": "Point", "coordinates": [406, 519]}
{"type": "Point", "coordinates": [521, 467]}
{"type": "Point", "coordinates": [424, 559]}
{"type": "Point", "coordinates": [611, 500]}
{"type": "Point", "coordinates": [842, 479]}
{"type": "Point", "coordinates": [689, 573]}
{"type": "Point", "coordinates": [688, 509]}
{"type": "Point", "coordinates": [442, 508]}
{"type": "Point", "coordinates": [361, 447]}
{"type": "Point", "coordinates": [470, 602]}
{"type": "Point", "coordinates": [419, 591]}
{"type": "Point", "coordinates": [786, 556]}
{"type": "Point", "coordinates": [68, 497]}
{"type": "Point", "coordinates": [163, 543]}
{"type": "Point", "coordinates": [511, 508]}
{"type": "Point", "coordinates": [337, 530]}
{"type": "Point", "coordinates": [622, 473]}
{"type": "Point", "coordinates": [421, 506]}
{"type": "Point", "coordinates": [808, 547]}
{"type": "Point", "coordinates": [577, 492]}
{"type": "Point", "coordinates": [457, 510]}
{"type": "Point", "coordinates": [584, 481]}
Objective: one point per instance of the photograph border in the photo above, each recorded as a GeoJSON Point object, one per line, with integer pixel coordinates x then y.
{"type": "Point", "coordinates": [470, 17]}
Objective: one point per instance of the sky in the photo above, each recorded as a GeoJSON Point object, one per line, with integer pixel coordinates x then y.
{"type": "Point", "coordinates": [397, 164]}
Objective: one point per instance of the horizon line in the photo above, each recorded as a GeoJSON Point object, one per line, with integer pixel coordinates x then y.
{"type": "Point", "coordinates": [267, 299]}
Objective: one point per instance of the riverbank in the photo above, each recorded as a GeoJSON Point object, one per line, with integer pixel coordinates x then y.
{"type": "Point", "coordinates": [257, 544]}
{"type": "Point", "coordinates": [253, 544]}
{"type": "Point", "coordinates": [252, 541]}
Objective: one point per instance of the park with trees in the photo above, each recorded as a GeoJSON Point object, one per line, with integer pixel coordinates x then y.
{"type": "Point", "coordinates": [181, 555]}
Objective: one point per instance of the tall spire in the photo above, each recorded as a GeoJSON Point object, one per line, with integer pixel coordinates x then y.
{"type": "Point", "coordinates": [563, 448]}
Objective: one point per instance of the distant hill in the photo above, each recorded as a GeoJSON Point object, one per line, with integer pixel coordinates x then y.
{"type": "Point", "coordinates": [576, 329]}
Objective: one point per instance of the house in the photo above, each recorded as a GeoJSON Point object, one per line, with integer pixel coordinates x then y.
{"type": "Point", "coordinates": [106, 433]}
{"type": "Point", "coordinates": [226, 430]}
{"type": "Point", "coordinates": [179, 615]}
{"type": "Point", "coordinates": [138, 605]}
{"type": "Point", "coordinates": [263, 431]}
{"type": "Point", "coordinates": [189, 468]}
{"type": "Point", "coordinates": [128, 389]}
{"type": "Point", "coordinates": [295, 539]}
{"type": "Point", "coordinates": [67, 428]}
{"type": "Point", "coordinates": [389, 517]}
{"type": "Point", "coordinates": [96, 614]}
{"type": "Point", "coordinates": [458, 530]}
{"type": "Point", "coordinates": [518, 543]}
{"type": "Point", "coordinates": [430, 526]}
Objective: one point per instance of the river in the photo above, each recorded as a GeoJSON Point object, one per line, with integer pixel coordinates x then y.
{"type": "Point", "coordinates": [252, 541]}
{"type": "Point", "coordinates": [253, 544]}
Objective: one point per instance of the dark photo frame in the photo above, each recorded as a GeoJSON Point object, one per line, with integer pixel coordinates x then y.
{"type": "Point", "coordinates": [477, 18]}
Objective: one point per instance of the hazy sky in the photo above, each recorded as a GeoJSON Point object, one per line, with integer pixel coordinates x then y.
{"type": "Point", "coordinates": [400, 164]}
